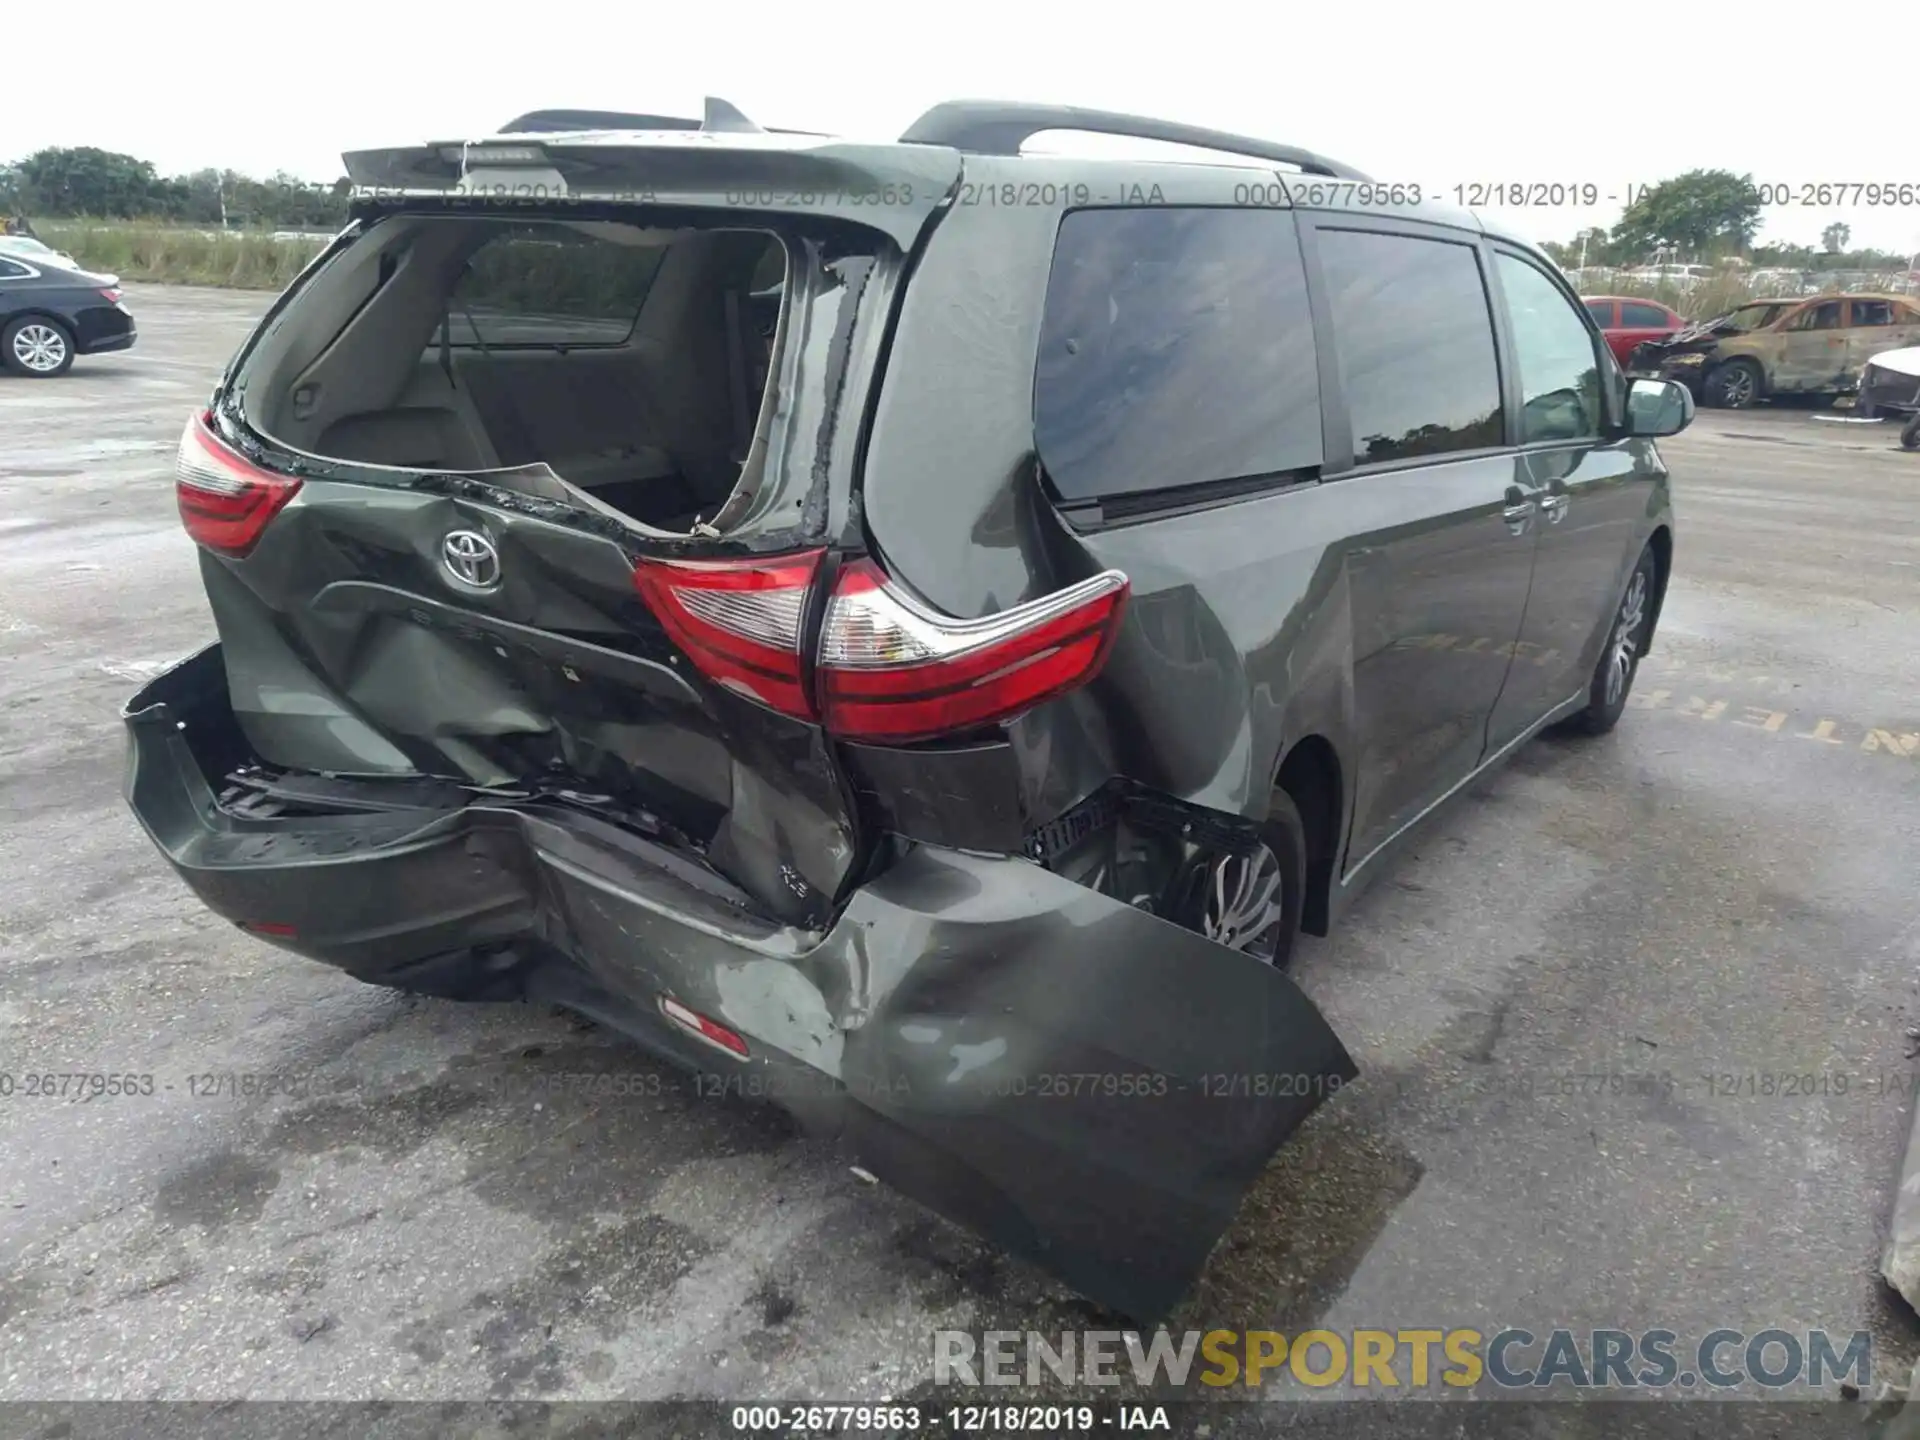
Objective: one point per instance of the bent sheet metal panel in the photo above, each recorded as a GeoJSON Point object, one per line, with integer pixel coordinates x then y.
{"type": "Point", "coordinates": [1089, 1086]}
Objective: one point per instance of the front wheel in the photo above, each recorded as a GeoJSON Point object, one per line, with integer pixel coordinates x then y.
{"type": "Point", "coordinates": [37, 346]}
{"type": "Point", "coordinates": [1620, 657]}
{"type": "Point", "coordinates": [1734, 385]}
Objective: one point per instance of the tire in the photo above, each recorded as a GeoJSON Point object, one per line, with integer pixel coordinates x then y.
{"type": "Point", "coordinates": [1734, 385]}
{"type": "Point", "coordinates": [1910, 434]}
{"type": "Point", "coordinates": [37, 346]}
{"type": "Point", "coordinates": [1620, 657]}
{"type": "Point", "coordinates": [1251, 900]}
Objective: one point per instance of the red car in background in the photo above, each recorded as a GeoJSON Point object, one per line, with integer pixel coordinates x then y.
{"type": "Point", "coordinates": [1627, 321]}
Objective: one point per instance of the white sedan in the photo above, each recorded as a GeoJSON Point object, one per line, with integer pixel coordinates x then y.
{"type": "Point", "coordinates": [1890, 389]}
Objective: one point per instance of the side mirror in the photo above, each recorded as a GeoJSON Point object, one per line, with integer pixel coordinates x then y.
{"type": "Point", "coordinates": [1658, 407]}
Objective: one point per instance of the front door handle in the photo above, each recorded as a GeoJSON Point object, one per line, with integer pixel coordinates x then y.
{"type": "Point", "coordinates": [1519, 510]}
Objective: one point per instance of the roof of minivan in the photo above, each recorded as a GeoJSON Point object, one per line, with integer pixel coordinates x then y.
{"type": "Point", "coordinates": [1321, 184]}
{"type": "Point", "coordinates": [1321, 192]}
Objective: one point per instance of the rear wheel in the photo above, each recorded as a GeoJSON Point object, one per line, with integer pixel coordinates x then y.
{"type": "Point", "coordinates": [1620, 658]}
{"type": "Point", "coordinates": [1250, 900]}
{"type": "Point", "coordinates": [37, 346]}
{"type": "Point", "coordinates": [1734, 385]}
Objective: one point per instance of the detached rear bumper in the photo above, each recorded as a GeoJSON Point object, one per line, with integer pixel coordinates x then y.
{"type": "Point", "coordinates": [1087, 1085]}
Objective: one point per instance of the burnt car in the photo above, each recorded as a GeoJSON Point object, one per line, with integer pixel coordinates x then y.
{"type": "Point", "coordinates": [915, 629]}
{"type": "Point", "coordinates": [1781, 347]}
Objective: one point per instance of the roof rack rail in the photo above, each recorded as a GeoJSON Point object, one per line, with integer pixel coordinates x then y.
{"type": "Point", "coordinates": [720, 118]}
{"type": "Point", "coordinates": [998, 127]}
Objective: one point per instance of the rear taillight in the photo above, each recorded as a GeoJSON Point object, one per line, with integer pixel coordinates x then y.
{"type": "Point", "coordinates": [889, 668]}
{"type": "Point", "coordinates": [111, 295]}
{"type": "Point", "coordinates": [225, 500]}
{"type": "Point", "coordinates": [893, 669]}
{"type": "Point", "coordinates": [738, 620]}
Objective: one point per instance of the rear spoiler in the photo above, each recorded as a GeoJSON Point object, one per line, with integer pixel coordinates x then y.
{"type": "Point", "coordinates": [720, 116]}
{"type": "Point", "coordinates": [890, 188]}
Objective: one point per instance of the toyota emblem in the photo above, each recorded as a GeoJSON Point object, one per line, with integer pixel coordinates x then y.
{"type": "Point", "coordinates": [471, 559]}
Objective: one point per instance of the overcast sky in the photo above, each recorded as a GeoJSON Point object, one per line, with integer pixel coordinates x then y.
{"type": "Point", "coordinates": [1438, 95]}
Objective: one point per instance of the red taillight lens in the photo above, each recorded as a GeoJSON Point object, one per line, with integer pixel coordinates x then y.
{"type": "Point", "coordinates": [738, 620]}
{"type": "Point", "coordinates": [892, 669]}
{"type": "Point", "coordinates": [889, 668]}
{"type": "Point", "coordinates": [225, 500]}
{"type": "Point", "coordinates": [111, 294]}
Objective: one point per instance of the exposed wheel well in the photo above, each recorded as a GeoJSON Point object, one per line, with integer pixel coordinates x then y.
{"type": "Point", "coordinates": [1311, 778]}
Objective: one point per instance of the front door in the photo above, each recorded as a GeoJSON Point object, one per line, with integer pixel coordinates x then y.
{"type": "Point", "coordinates": [1589, 491]}
{"type": "Point", "coordinates": [1812, 351]}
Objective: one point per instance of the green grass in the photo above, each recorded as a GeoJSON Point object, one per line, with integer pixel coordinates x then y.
{"type": "Point", "coordinates": [178, 255]}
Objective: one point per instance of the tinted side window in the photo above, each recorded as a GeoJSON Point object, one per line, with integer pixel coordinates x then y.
{"type": "Point", "coordinates": [1559, 369]}
{"type": "Point", "coordinates": [1643, 317]}
{"type": "Point", "coordinates": [1602, 312]}
{"type": "Point", "coordinates": [11, 271]}
{"type": "Point", "coordinates": [551, 285]}
{"type": "Point", "coordinates": [1176, 348]}
{"type": "Point", "coordinates": [1873, 312]}
{"type": "Point", "coordinates": [1415, 344]}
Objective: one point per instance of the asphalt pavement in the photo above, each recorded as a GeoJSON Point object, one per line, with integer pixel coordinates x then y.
{"type": "Point", "coordinates": [1631, 1022]}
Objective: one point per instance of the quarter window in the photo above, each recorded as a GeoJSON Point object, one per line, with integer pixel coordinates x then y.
{"type": "Point", "coordinates": [1414, 338]}
{"type": "Point", "coordinates": [9, 270]}
{"type": "Point", "coordinates": [1873, 312]}
{"type": "Point", "coordinates": [1559, 369]}
{"type": "Point", "coordinates": [546, 285]}
{"type": "Point", "coordinates": [1176, 349]}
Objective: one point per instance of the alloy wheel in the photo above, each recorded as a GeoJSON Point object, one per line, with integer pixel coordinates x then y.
{"type": "Point", "coordinates": [39, 348]}
{"type": "Point", "coordinates": [1736, 387]}
{"type": "Point", "coordinates": [1246, 902]}
{"type": "Point", "coordinates": [1626, 637]}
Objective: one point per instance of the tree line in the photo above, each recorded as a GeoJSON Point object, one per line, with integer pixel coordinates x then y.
{"type": "Point", "coordinates": [1708, 215]}
{"type": "Point", "coordinates": [76, 182]}
{"type": "Point", "coordinates": [1703, 215]}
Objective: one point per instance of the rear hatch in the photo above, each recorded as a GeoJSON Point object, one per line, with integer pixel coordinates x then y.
{"type": "Point", "coordinates": [531, 483]}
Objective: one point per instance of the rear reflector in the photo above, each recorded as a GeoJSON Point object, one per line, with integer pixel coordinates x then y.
{"type": "Point", "coordinates": [890, 668]}
{"type": "Point", "coordinates": [893, 669]}
{"type": "Point", "coordinates": [225, 500]}
{"type": "Point", "coordinates": [267, 927]}
{"type": "Point", "coordinates": [712, 1031]}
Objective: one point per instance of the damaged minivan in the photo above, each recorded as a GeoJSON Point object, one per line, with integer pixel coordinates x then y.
{"type": "Point", "coordinates": [920, 625]}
